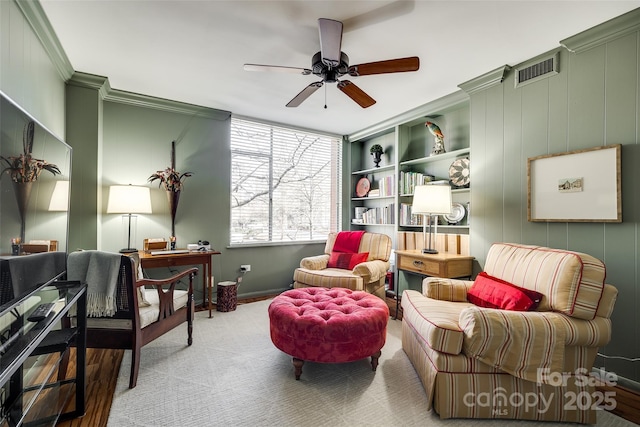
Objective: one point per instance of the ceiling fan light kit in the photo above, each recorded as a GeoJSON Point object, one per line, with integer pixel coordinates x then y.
{"type": "Point", "coordinates": [330, 64]}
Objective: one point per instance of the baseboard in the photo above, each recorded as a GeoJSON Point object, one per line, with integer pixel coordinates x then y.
{"type": "Point", "coordinates": [627, 402]}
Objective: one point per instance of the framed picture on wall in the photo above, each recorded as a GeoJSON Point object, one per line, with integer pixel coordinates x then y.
{"type": "Point", "coordinates": [577, 186]}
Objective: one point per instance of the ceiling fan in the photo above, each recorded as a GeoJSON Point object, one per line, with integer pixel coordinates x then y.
{"type": "Point", "coordinates": [330, 64]}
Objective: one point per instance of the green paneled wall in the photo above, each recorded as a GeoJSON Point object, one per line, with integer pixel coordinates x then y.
{"type": "Point", "coordinates": [28, 74]}
{"type": "Point", "coordinates": [593, 101]}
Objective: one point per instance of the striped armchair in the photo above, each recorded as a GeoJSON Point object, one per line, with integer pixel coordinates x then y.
{"type": "Point", "coordinates": [477, 362]}
{"type": "Point", "coordinates": [367, 276]}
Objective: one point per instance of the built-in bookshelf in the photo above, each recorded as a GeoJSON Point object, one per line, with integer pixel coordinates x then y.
{"type": "Point", "coordinates": [408, 160]}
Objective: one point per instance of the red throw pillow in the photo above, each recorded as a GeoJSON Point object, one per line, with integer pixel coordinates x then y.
{"type": "Point", "coordinates": [491, 292]}
{"type": "Point", "coordinates": [346, 261]}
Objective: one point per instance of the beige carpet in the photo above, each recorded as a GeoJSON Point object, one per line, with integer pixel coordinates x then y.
{"type": "Point", "coordinates": [233, 375]}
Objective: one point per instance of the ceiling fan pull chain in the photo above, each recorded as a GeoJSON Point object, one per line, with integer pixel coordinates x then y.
{"type": "Point", "coordinates": [325, 97]}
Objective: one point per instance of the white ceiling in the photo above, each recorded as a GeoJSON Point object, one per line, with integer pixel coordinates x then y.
{"type": "Point", "coordinates": [194, 51]}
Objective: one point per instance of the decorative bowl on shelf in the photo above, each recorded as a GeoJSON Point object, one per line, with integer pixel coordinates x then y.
{"type": "Point", "coordinates": [456, 215]}
{"type": "Point", "coordinates": [362, 187]}
{"type": "Point", "coordinates": [459, 173]}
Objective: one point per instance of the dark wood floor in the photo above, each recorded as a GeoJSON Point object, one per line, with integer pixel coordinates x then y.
{"type": "Point", "coordinates": [103, 367]}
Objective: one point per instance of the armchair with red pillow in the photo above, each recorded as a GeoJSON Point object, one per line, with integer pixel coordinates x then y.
{"type": "Point", "coordinates": [533, 310]}
{"type": "Point", "coordinates": [357, 261]}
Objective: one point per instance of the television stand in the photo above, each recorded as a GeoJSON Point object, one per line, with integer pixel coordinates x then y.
{"type": "Point", "coordinates": [31, 391]}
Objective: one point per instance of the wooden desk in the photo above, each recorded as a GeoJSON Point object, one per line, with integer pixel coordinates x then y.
{"type": "Point", "coordinates": [442, 264]}
{"type": "Point", "coordinates": [191, 258]}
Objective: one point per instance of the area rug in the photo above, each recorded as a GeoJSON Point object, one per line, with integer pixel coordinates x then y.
{"type": "Point", "coordinates": [233, 375]}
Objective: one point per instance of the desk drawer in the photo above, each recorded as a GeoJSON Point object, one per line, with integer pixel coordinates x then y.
{"type": "Point", "coordinates": [422, 266]}
{"type": "Point", "coordinates": [159, 262]}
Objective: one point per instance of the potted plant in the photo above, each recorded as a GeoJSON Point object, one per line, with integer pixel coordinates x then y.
{"type": "Point", "coordinates": [376, 151]}
{"type": "Point", "coordinates": [172, 181]}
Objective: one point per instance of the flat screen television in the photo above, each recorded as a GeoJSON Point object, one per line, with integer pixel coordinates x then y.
{"type": "Point", "coordinates": [44, 217]}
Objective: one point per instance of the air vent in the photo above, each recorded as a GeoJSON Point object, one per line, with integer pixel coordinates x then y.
{"type": "Point", "coordinates": [540, 70]}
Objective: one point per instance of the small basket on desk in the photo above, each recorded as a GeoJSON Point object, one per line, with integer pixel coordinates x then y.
{"type": "Point", "coordinates": [154, 245]}
{"type": "Point", "coordinates": [39, 246]}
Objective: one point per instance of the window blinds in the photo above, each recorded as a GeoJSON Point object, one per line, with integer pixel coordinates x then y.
{"type": "Point", "coordinates": [285, 183]}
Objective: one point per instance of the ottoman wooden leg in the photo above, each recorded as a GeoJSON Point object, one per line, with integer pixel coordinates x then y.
{"type": "Point", "coordinates": [374, 360]}
{"type": "Point", "coordinates": [297, 367]}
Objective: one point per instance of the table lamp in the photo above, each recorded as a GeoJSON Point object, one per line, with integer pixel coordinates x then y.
{"type": "Point", "coordinates": [129, 200]}
{"type": "Point", "coordinates": [430, 200]}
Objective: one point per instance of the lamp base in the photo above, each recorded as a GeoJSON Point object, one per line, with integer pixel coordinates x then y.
{"type": "Point", "coordinates": [429, 251]}
{"type": "Point", "coordinates": [128, 250]}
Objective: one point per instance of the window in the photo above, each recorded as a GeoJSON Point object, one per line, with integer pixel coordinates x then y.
{"type": "Point", "coordinates": [285, 184]}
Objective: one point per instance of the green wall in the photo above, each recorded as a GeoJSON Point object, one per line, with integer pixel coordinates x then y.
{"type": "Point", "coordinates": [84, 129]}
{"type": "Point", "coordinates": [594, 100]}
{"type": "Point", "coordinates": [30, 73]}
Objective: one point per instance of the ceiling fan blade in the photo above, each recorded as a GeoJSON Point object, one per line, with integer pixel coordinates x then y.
{"type": "Point", "coordinates": [278, 68]}
{"type": "Point", "coordinates": [383, 13]}
{"type": "Point", "coordinates": [330, 41]}
{"type": "Point", "coordinates": [306, 92]}
{"type": "Point", "coordinates": [355, 93]}
{"type": "Point", "coordinates": [399, 65]}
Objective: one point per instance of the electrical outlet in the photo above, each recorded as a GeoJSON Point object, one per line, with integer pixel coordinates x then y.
{"type": "Point", "coordinates": [245, 268]}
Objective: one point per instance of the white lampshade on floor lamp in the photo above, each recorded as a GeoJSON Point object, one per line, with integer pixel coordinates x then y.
{"type": "Point", "coordinates": [129, 200]}
{"type": "Point", "coordinates": [430, 200]}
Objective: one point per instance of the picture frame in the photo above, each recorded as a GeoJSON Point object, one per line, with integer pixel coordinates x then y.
{"type": "Point", "coordinates": [576, 186]}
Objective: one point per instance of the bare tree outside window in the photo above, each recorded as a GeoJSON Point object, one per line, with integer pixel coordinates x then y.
{"type": "Point", "coordinates": [282, 184]}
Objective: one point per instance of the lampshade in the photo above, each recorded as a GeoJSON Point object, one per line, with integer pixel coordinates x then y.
{"type": "Point", "coordinates": [129, 199]}
{"type": "Point", "coordinates": [60, 197]}
{"type": "Point", "coordinates": [432, 199]}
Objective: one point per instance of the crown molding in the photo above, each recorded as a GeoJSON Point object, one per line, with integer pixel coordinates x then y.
{"type": "Point", "coordinates": [91, 81]}
{"type": "Point", "coordinates": [486, 80]}
{"type": "Point", "coordinates": [602, 33]}
{"type": "Point", "coordinates": [101, 84]}
{"type": "Point", "coordinates": [35, 16]}
{"type": "Point", "coordinates": [168, 105]}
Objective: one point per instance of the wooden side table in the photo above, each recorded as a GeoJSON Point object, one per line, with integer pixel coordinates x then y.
{"type": "Point", "coordinates": [444, 265]}
{"type": "Point", "coordinates": [147, 260]}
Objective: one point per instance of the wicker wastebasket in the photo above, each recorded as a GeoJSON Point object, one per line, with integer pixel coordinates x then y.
{"type": "Point", "coordinates": [227, 296]}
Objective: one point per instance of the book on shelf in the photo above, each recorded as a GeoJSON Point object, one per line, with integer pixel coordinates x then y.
{"type": "Point", "coordinates": [381, 215]}
{"type": "Point", "coordinates": [386, 186]}
{"type": "Point", "coordinates": [407, 218]}
{"type": "Point", "coordinates": [409, 181]}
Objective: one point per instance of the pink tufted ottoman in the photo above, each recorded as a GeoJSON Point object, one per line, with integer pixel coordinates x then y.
{"type": "Point", "coordinates": [325, 325]}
